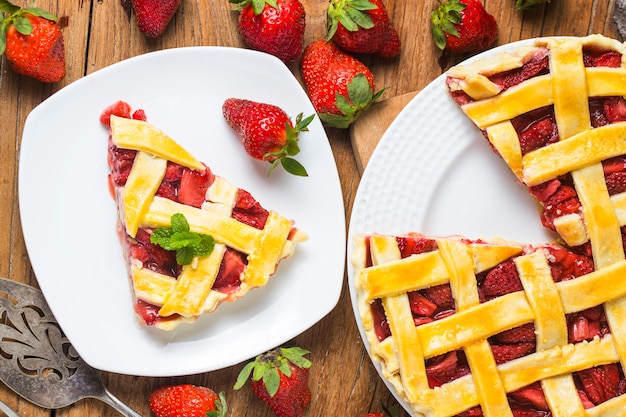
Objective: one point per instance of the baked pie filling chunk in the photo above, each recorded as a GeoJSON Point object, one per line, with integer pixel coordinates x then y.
{"type": "Point", "coordinates": [160, 190]}
{"type": "Point", "coordinates": [467, 327]}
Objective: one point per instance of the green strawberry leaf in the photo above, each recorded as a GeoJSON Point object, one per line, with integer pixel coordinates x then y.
{"type": "Point", "coordinates": [222, 407]}
{"type": "Point", "coordinates": [8, 7]}
{"type": "Point", "coordinates": [177, 237]}
{"type": "Point", "coordinates": [244, 375]}
{"type": "Point", "coordinates": [271, 380]}
{"type": "Point", "coordinates": [36, 11]}
{"type": "Point", "coordinates": [22, 25]}
{"type": "Point", "coordinates": [3, 37]}
{"type": "Point", "coordinates": [296, 356]}
{"type": "Point", "coordinates": [293, 167]}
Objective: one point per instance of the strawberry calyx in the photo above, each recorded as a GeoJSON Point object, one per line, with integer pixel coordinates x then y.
{"type": "Point", "coordinates": [360, 97]}
{"type": "Point", "coordinates": [291, 148]}
{"type": "Point", "coordinates": [222, 407]}
{"type": "Point", "coordinates": [350, 14]}
{"type": "Point", "coordinates": [444, 20]}
{"type": "Point", "coordinates": [16, 16]}
{"type": "Point", "coordinates": [266, 367]}
{"type": "Point", "coordinates": [529, 4]}
{"type": "Point", "coordinates": [257, 5]}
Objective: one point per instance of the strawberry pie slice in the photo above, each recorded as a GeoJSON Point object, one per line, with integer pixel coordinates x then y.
{"type": "Point", "coordinates": [190, 238]}
{"type": "Point", "coordinates": [473, 328]}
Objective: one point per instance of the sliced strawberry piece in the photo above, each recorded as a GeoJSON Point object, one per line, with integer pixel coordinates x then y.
{"type": "Point", "coordinates": [443, 367]}
{"type": "Point", "coordinates": [520, 334]}
{"type": "Point", "coordinates": [247, 210]}
{"type": "Point", "coordinates": [617, 164]}
{"type": "Point", "coordinates": [381, 325]}
{"type": "Point", "coordinates": [193, 186]}
{"type": "Point", "coordinates": [532, 395]}
{"type": "Point", "coordinates": [540, 133]}
{"type": "Point", "coordinates": [505, 353]}
{"type": "Point", "coordinates": [597, 384]}
{"type": "Point", "coordinates": [537, 65]}
{"type": "Point", "coordinates": [502, 279]}
{"type": "Point", "coordinates": [228, 277]}
{"type": "Point", "coordinates": [420, 305]}
{"type": "Point", "coordinates": [415, 245]}
{"type": "Point", "coordinates": [566, 265]}
{"type": "Point", "coordinates": [119, 108]}
{"type": "Point", "coordinates": [440, 295]}
{"type": "Point", "coordinates": [615, 109]}
{"type": "Point", "coordinates": [616, 182]}
{"type": "Point", "coordinates": [610, 59]}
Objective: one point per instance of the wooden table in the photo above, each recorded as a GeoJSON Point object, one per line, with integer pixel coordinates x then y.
{"type": "Point", "coordinates": [98, 33]}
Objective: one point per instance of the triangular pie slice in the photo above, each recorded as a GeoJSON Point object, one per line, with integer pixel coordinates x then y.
{"type": "Point", "coordinates": [155, 181]}
{"type": "Point", "coordinates": [473, 328]}
{"type": "Point", "coordinates": [555, 112]}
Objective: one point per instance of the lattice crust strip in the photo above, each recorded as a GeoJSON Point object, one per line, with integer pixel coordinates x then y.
{"type": "Point", "coordinates": [543, 302]}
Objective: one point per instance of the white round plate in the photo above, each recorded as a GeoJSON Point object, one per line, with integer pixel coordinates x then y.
{"type": "Point", "coordinates": [433, 172]}
{"type": "Point", "coordinates": [69, 217]}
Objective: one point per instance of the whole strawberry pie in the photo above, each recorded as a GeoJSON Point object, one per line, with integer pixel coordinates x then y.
{"type": "Point", "coordinates": [469, 327]}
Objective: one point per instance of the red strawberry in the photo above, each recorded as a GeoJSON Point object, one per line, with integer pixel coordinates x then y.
{"type": "Point", "coordinates": [272, 26]}
{"type": "Point", "coordinates": [502, 279]}
{"type": "Point", "coordinates": [462, 26]}
{"type": "Point", "coordinates": [362, 27]}
{"type": "Point", "coordinates": [32, 42]}
{"type": "Point", "coordinates": [340, 86]}
{"type": "Point", "coordinates": [266, 132]}
{"type": "Point", "coordinates": [505, 353]}
{"type": "Point", "coordinates": [153, 16]}
{"type": "Point", "coordinates": [280, 378]}
{"type": "Point", "coordinates": [519, 334]}
{"type": "Point", "coordinates": [187, 400]}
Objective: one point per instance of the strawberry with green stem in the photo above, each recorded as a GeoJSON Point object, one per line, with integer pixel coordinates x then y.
{"type": "Point", "coordinates": [272, 26]}
{"type": "Point", "coordinates": [187, 400]}
{"type": "Point", "coordinates": [362, 26]}
{"type": "Point", "coordinates": [340, 86]}
{"type": "Point", "coordinates": [32, 42]}
{"type": "Point", "coordinates": [267, 133]}
{"type": "Point", "coordinates": [280, 378]}
{"type": "Point", "coordinates": [462, 26]}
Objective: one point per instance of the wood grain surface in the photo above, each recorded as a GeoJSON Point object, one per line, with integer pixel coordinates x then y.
{"type": "Point", "coordinates": [98, 33]}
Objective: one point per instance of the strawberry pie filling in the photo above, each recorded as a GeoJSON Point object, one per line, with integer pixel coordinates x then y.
{"type": "Point", "coordinates": [595, 385]}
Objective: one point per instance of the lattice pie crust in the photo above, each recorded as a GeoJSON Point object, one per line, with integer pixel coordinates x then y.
{"type": "Point", "coordinates": [381, 273]}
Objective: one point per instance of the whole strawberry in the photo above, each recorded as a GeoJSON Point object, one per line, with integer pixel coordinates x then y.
{"type": "Point", "coordinates": [529, 4]}
{"type": "Point", "coordinates": [187, 400]}
{"type": "Point", "coordinates": [272, 26]}
{"type": "Point", "coordinates": [32, 41]}
{"type": "Point", "coordinates": [153, 16]}
{"type": "Point", "coordinates": [461, 26]}
{"type": "Point", "coordinates": [266, 132]}
{"type": "Point", "coordinates": [340, 86]}
{"type": "Point", "coordinates": [280, 378]}
{"type": "Point", "coordinates": [362, 26]}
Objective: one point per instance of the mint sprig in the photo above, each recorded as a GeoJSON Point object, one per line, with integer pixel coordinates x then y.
{"type": "Point", "coordinates": [179, 238]}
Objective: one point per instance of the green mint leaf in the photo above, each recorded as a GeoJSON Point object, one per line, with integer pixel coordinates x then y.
{"type": "Point", "coordinates": [177, 237]}
{"type": "Point", "coordinates": [179, 223]}
{"type": "Point", "coordinates": [184, 256]}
